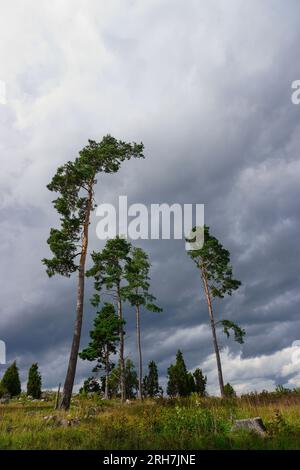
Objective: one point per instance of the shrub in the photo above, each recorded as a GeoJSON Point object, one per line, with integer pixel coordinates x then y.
{"type": "Point", "coordinates": [34, 383]}
{"type": "Point", "coordinates": [11, 380]}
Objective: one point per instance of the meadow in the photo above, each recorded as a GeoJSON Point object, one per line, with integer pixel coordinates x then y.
{"type": "Point", "coordinates": [161, 424]}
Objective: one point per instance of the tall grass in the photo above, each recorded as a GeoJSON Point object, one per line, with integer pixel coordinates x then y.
{"type": "Point", "coordinates": [191, 423]}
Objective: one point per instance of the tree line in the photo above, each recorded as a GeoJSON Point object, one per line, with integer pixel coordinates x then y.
{"type": "Point", "coordinates": [10, 385]}
{"type": "Point", "coordinates": [181, 382]}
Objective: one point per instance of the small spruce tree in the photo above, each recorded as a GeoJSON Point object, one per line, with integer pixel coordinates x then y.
{"type": "Point", "coordinates": [200, 382]}
{"type": "Point", "coordinates": [151, 386]}
{"type": "Point", "coordinates": [90, 385]}
{"type": "Point", "coordinates": [229, 391]}
{"type": "Point", "coordinates": [104, 340]}
{"type": "Point", "coordinates": [11, 380]}
{"type": "Point", "coordinates": [34, 384]}
{"type": "Point", "coordinates": [179, 383]}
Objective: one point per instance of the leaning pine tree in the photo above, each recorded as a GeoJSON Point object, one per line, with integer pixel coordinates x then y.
{"type": "Point", "coordinates": [75, 182]}
{"type": "Point", "coordinates": [213, 262]}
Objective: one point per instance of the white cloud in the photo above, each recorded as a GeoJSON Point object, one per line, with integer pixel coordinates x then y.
{"type": "Point", "coordinates": [253, 373]}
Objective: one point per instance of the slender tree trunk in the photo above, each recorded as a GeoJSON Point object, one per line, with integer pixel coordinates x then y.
{"type": "Point", "coordinates": [57, 397]}
{"type": "Point", "coordinates": [122, 363]}
{"type": "Point", "coordinates": [213, 329]}
{"type": "Point", "coordinates": [138, 335]}
{"type": "Point", "coordinates": [70, 377]}
{"type": "Point", "coordinates": [106, 374]}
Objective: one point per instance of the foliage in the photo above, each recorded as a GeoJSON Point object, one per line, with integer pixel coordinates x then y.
{"type": "Point", "coordinates": [200, 382]}
{"type": "Point", "coordinates": [137, 276]}
{"type": "Point", "coordinates": [90, 385]}
{"type": "Point", "coordinates": [34, 383]}
{"type": "Point", "coordinates": [74, 182]}
{"type": "Point", "coordinates": [104, 338]}
{"type": "Point", "coordinates": [11, 381]}
{"type": "Point", "coordinates": [108, 269]}
{"type": "Point", "coordinates": [182, 383]}
{"type": "Point", "coordinates": [229, 391]}
{"type": "Point", "coordinates": [179, 383]}
{"type": "Point", "coordinates": [130, 376]}
{"type": "Point", "coordinates": [3, 390]}
{"type": "Point", "coordinates": [215, 260]}
{"type": "Point", "coordinates": [151, 386]}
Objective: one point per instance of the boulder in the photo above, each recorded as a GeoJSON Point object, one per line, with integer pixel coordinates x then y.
{"type": "Point", "coordinates": [251, 424]}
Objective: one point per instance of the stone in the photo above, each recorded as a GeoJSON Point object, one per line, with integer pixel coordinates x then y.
{"type": "Point", "coordinates": [250, 424]}
{"type": "Point", "coordinates": [64, 422]}
{"type": "Point", "coordinates": [4, 401]}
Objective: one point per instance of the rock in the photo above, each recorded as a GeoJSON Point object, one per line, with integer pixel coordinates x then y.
{"type": "Point", "coordinates": [4, 401]}
{"type": "Point", "coordinates": [64, 422]}
{"type": "Point", "coordinates": [68, 422]}
{"type": "Point", "coordinates": [128, 402]}
{"type": "Point", "coordinates": [49, 418]}
{"type": "Point", "coordinates": [251, 424]}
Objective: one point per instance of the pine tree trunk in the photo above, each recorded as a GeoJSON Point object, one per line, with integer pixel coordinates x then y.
{"type": "Point", "coordinates": [122, 363]}
{"type": "Point", "coordinates": [138, 335]}
{"type": "Point", "coordinates": [70, 377]}
{"type": "Point", "coordinates": [106, 374]}
{"type": "Point", "coordinates": [213, 329]}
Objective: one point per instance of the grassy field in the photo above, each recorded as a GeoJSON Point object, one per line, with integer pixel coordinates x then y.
{"type": "Point", "coordinates": [193, 423]}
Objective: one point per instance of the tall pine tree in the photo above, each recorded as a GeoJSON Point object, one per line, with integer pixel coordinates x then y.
{"type": "Point", "coordinates": [137, 293]}
{"type": "Point", "coordinates": [213, 263]}
{"type": "Point", "coordinates": [109, 273]}
{"type": "Point", "coordinates": [75, 183]}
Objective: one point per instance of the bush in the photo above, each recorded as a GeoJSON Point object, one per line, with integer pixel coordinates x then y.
{"type": "Point", "coordinates": [11, 380]}
{"type": "Point", "coordinates": [3, 391]}
{"type": "Point", "coordinates": [229, 391]}
{"type": "Point", "coordinates": [34, 383]}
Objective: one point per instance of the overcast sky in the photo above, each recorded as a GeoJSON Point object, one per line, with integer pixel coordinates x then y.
{"type": "Point", "coordinates": [207, 87]}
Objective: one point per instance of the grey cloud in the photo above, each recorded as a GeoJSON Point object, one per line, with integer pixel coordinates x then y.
{"type": "Point", "coordinates": [206, 86]}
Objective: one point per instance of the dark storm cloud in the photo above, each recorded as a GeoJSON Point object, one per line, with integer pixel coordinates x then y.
{"type": "Point", "coordinates": [206, 87]}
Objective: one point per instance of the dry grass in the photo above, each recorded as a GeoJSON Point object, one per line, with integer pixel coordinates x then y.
{"type": "Point", "coordinates": [193, 423]}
